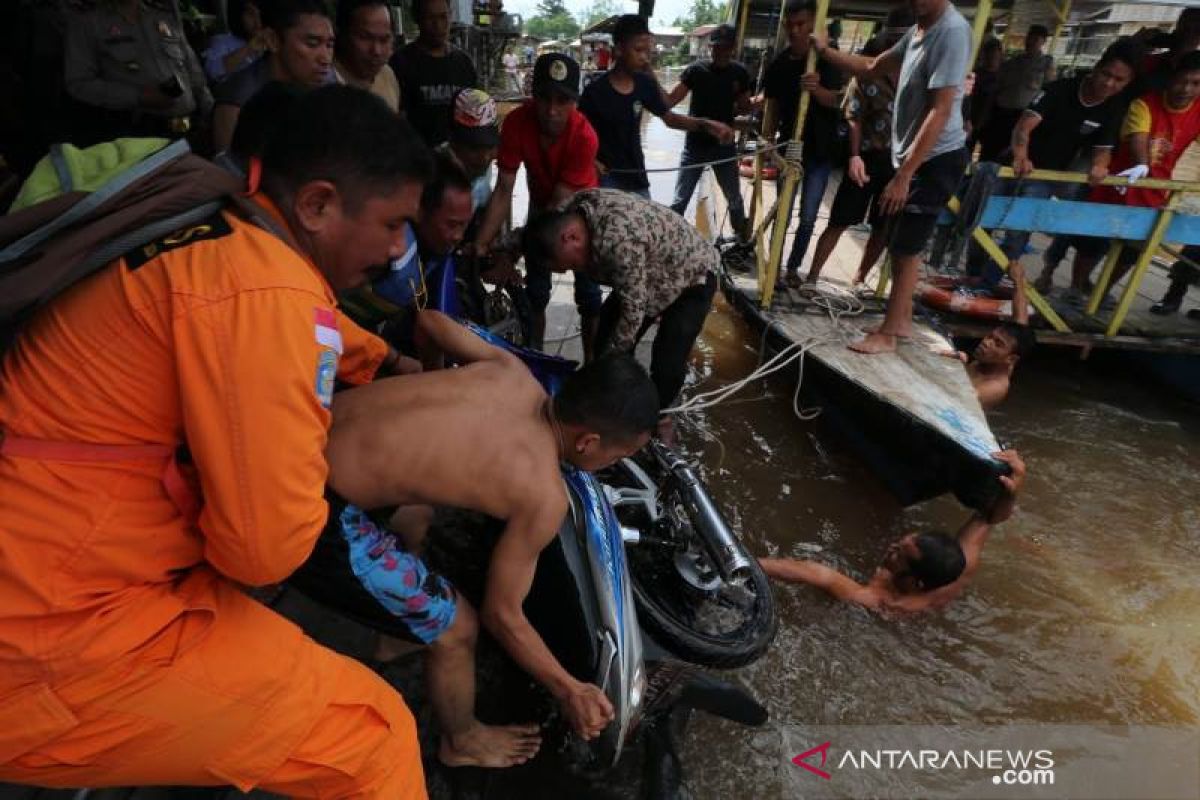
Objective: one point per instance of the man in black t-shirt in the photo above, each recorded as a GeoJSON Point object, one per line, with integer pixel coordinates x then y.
{"type": "Point", "coordinates": [785, 77]}
{"type": "Point", "coordinates": [430, 71]}
{"type": "Point", "coordinates": [613, 104]}
{"type": "Point", "coordinates": [1064, 119]}
{"type": "Point", "coordinates": [720, 89]}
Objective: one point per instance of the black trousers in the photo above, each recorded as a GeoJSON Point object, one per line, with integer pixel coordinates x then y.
{"type": "Point", "coordinates": [678, 326]}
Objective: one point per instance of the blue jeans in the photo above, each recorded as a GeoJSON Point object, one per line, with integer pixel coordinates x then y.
{"type": "Point", "coordinates": [812, 192]}
{"type": "Point", "coordinates": [979, 264]}
{"type": "Point", "coordinates": [610, 181]}
{"type": "Point", "coordinates": [726, 175]}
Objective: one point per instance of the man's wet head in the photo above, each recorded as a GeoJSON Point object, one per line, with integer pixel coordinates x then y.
{"type": "Point", "coordinates": [555, 92]}
{"type": "Point", "coordinates": [1005, 344]}
{"type": "Point", "coordinates": [445, 207]}
{"type": "Point", "coordinates": [605, 411]}
{"type": "Point", "coordinates": [921, 562]}
{"type": "Point", "coordinates": [347, 174]}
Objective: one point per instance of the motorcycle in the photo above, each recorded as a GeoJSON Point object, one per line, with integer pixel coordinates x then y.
{"type": "Point", "coordinates": [645, 584]}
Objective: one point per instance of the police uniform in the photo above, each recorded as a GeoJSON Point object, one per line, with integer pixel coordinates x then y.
{"type": "Point", "coordinates": [110, 59]}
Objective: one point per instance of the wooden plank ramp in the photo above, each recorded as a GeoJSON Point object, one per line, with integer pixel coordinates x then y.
{"type": "Point", "coordinates": [913, 414]}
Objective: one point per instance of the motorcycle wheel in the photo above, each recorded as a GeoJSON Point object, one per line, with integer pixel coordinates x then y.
{"type": "Point", "coordinates": [713, 624]}
{"type": "Point", "coordinates": [726, 649]}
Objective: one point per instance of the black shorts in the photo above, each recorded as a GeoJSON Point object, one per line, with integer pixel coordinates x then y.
{"type": "Point", "coordinates": [933, 184]}
{"type": "Point", "coordinates": [851, 203]}
{"type": "Point", "coordinates": [361, 571]}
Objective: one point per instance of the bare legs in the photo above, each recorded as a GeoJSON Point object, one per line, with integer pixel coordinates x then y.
{"type": "Point", "coordinates": [897, 322]}
{"type": "Point", "coordinates": [450, 673]}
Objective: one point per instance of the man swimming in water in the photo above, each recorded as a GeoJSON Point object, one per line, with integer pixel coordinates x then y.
{"type": "Point", "coordinates": [483, 437]}
{"type": "Point", "coordinates": [921, 571]}
{"type": "Point", "coordinates": [991, 364]}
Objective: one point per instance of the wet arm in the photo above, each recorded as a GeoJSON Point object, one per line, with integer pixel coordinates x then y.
{"type": "Point", "coordinates": [510, 577]}
{"type": "Point", "coordinates": [498, 208]}
{"type": "Point", "coordinates": [820, 576]}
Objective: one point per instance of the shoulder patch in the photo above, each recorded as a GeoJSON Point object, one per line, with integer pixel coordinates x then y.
{"type": "Point", "coordinates": [215, 227]}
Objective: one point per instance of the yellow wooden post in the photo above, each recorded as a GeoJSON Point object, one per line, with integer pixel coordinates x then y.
{"type": "Point", "coordinates": [1061, 13]}
{"type": "Point", "coordinates": [1106, 272]}
{"type": "Point", "coordinates": [983, 10]}
{"type": "Point", "coordinates": [766, 278]}
{"type": "Point", "coordinates": [1143, 264]}
{"type": "Point", "coordinates": [885, 275]}
{"type": "Point", "coordinates": [743, 18]}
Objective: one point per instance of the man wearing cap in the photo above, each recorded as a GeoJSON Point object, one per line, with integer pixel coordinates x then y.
{"type": "Point", "coordinates": [720, 89]}
{"type": "Point", "coordinates": [613, 103]}
{"type": "Point", "coordinates": [474, 137]}
{"type": "Point", "coordinates": [431, 70]}
{"type": "Point", "coordinates": [558, 147]}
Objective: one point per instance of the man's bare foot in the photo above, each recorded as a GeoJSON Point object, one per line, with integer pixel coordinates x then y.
{"type": "Point", "coordinates": [875, 343]}
{"type": "Point", "coordinates": [493, 746]}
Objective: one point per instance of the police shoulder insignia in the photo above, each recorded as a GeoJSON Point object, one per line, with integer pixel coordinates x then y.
{"type": "Point", "coordinates": [214, 227]}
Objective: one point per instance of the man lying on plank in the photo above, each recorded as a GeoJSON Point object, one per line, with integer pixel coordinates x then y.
{"type": "Point", "coordinates": [919, 572]}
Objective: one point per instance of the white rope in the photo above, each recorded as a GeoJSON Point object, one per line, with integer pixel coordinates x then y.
{"type": "Point", "coordinates": [770, 148]}
{"type": "Point", "coordinates": [836, 302]}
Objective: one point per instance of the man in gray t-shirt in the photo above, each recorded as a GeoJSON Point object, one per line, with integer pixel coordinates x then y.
{"type": "Point", "coordinates": [929, 65]}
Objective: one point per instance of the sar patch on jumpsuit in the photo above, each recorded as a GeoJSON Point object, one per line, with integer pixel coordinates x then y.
{"type": "Point", "coordinates": [397, 579]}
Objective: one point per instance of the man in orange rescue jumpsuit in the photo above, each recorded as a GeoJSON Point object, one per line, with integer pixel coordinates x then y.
{"type": "Point", "coordinates": [128, 652]}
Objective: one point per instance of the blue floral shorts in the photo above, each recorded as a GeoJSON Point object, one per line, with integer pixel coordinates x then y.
{"type": "Point", "coordinates": [400, 581]}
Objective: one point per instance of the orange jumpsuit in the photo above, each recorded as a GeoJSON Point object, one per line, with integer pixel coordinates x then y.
{"type": "Point", "coordinates": [128, 655]}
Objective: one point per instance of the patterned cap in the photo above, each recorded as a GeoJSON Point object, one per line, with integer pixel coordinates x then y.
{"type": "Point", "coordinates": [473, 120]}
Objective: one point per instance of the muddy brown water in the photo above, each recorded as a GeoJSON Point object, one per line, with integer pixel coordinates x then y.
{"type": "Point", "coordinates": [1084, 609]}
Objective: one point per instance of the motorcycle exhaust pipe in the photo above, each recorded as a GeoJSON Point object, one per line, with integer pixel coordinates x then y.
{"type": "Point", "coordinates": [725, 549]}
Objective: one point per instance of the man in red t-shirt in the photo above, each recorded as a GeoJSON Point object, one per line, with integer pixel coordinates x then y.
{"type": "Point", "coordinates": [558, 147]}
{"type": "Point", "coordinates": [1159, 127]}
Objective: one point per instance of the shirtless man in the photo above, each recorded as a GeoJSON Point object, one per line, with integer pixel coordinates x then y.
{"type": "Point", "coordinates": [921, 571]}
{"type": "Point", "coordinates": [990, 365]}
{"type": "Point", "coordinates": [484, 437]}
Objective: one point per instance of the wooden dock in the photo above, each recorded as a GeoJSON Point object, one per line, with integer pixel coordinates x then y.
{"type": "Point", "coordinates": [912, 415]}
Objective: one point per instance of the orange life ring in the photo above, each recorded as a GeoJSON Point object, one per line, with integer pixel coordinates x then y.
{"type": "Point", "coordinates": [942, 294]}
{"type": "Point", "coordinates": [746, 169]}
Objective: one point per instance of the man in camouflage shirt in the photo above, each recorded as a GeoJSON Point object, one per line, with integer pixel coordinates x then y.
{"type": "Point", "coordinates": [658, 265]}
{"type": "Point", "coordinates": [868, 110]}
